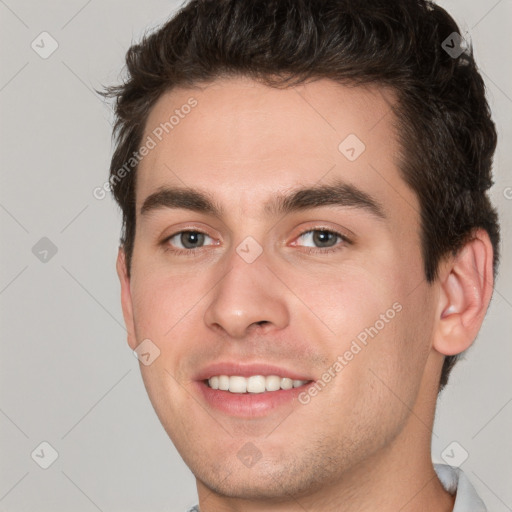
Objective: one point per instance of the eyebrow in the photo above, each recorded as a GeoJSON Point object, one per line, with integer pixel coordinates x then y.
{"type": "Point", "coordinates": [339, 193]}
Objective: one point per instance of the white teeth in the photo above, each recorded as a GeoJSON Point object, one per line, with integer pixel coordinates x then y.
{"type": "Point", "coordinates": [286, 383]}
{"type": "Point", "coordinates": [256, 384]}
{"type": "Point", "coordinates": [272, 383]}
{"type": "Point", "coordinates": [223, 382]}
{"type": "Point", "coordinates": [237, 384]}
{"type": "Point", "coordinates": [253, 384]}
{"type": "Point", "coordinates": [214, 382]}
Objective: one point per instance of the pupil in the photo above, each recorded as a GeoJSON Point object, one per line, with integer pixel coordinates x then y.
{"type": "Point", "coordinates": [321, 237]}
{"type": "Point", "coordinates": [189, 238]}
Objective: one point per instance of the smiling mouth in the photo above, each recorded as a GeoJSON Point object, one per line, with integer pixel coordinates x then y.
{"type": "Point", "coordinates": [254, 384]}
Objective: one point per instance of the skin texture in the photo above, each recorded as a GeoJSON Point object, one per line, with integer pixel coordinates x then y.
{"type": "Point", "coordinates": [364, 441]}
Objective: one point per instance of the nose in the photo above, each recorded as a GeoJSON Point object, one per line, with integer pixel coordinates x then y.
{"type": "Point", "coordinates": [248, 297]}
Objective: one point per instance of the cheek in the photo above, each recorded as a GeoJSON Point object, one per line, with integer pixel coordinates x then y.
{"type": "Point", "coordinates": [379, 318]}
{"type": "Point", "coordinates": [397, 352]}
{"type": "Point", "coordinates": [161, 301]}
{"type": "Point", "coordinates": [168, 310]}
{"type": "Point", "coordinates": [347, 299]}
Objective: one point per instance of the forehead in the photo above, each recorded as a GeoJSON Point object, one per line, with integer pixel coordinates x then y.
{"type": "Point", "coordinates": [243, 141]}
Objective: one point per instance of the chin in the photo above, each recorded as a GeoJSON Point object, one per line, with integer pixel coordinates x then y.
{"type": "Point", "coordinates": [274, 480]}
{"type": "Point", "coordinates": [249, 486]}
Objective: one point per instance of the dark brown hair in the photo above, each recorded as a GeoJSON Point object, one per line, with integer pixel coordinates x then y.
{"type": "Point", "coordinates": [446, 132]}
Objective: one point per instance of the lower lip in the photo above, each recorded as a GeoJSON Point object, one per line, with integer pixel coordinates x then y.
{"type": "Point", "coordinates": [249, 405]}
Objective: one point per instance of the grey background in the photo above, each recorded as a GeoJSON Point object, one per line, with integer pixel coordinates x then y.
{"type": "Point", "coordinates": [67, 376]}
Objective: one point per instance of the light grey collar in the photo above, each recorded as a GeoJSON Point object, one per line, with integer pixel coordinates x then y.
{"type": "Point", "coordinates": [455, 481]}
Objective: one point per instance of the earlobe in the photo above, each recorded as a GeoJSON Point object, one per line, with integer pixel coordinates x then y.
{"type": "Point", "coordinates": [466, 290]}
{"type": "Point", "coordinates": [126, 298]}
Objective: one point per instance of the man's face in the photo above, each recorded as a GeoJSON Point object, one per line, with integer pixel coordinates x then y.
{"type": "Point", "coordinates": [279, 293]}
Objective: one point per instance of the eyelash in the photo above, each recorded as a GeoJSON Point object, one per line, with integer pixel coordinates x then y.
{"type": "Point", "coordinates": [309, 250]}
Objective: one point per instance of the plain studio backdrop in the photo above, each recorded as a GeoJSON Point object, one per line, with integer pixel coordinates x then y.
{"type": "Point", "coordinates": [68, 377]}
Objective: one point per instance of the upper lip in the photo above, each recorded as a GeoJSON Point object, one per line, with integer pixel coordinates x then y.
{"type": "Point", "coordinates": [248, 369]}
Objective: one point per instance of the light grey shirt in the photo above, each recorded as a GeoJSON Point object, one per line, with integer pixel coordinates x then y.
{"type": "Point", "coordinates": [454, 481]}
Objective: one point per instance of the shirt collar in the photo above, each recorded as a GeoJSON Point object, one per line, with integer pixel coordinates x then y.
{"type": "Point", "coordinates": [456, 482]}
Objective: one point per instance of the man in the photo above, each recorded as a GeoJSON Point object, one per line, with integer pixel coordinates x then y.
{"type": "Point", "coordinates": [308, 245]}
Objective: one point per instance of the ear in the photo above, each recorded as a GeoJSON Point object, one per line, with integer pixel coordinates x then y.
{"type": "Point", "coordinates": [126, 297]}
{"type": "Point", "coordinates": [466, 289]}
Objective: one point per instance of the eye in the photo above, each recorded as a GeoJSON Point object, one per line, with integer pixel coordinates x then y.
{"type": "Point", "coordinates": [323, 240]}
{"type": "Point", "coordinates": [185, 241]}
